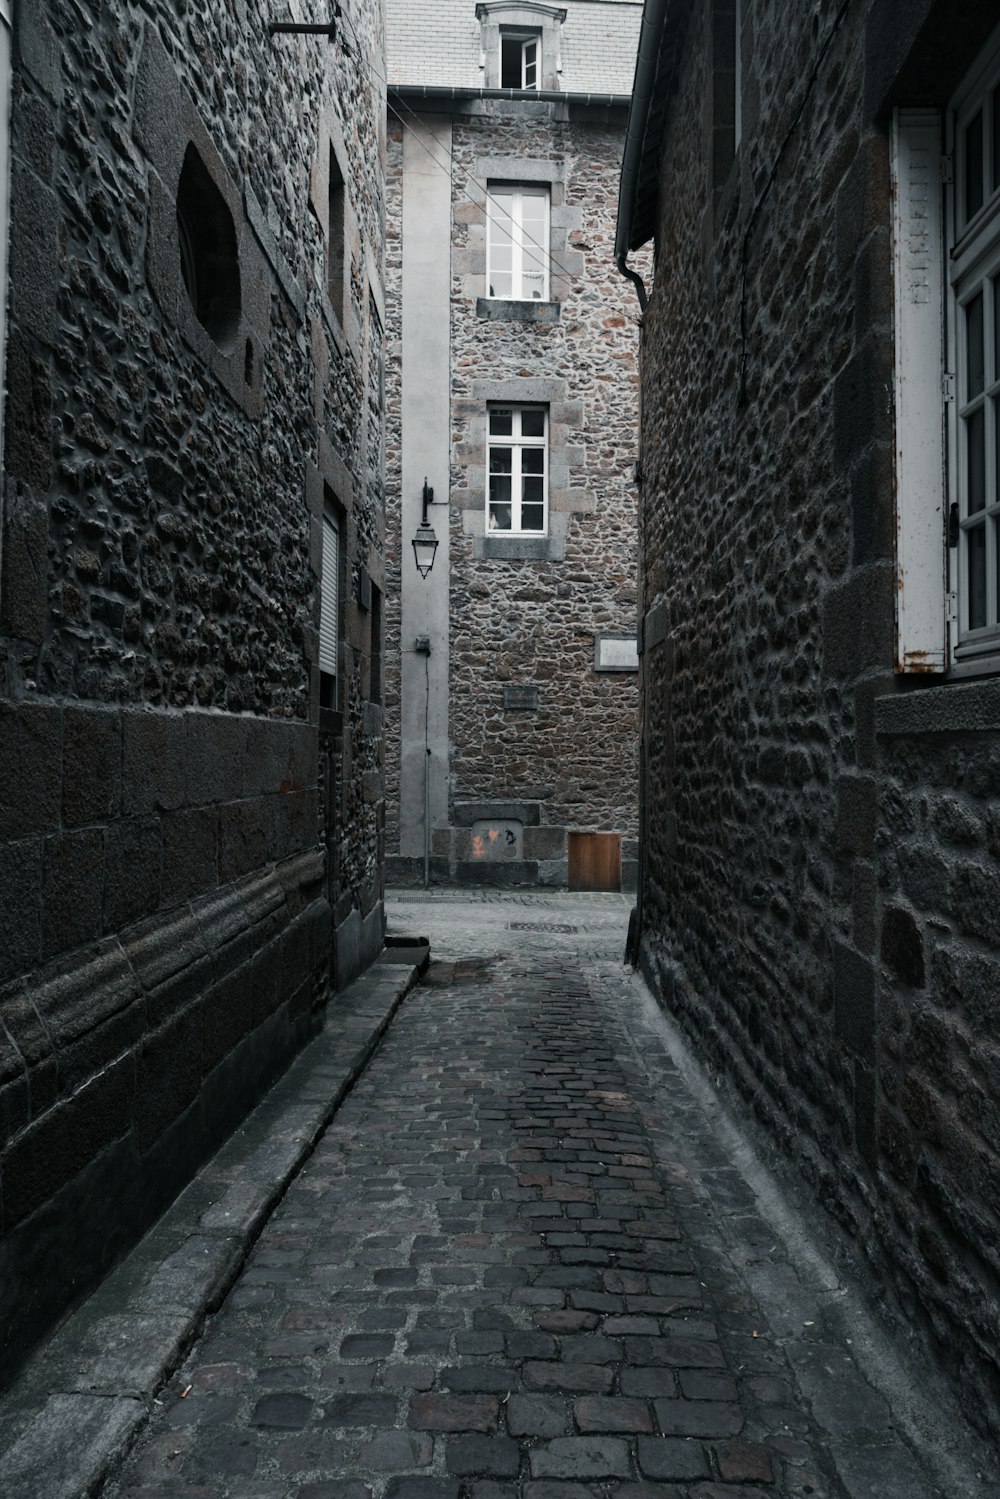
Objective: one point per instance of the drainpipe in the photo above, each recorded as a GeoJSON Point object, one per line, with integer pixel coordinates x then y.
{"type": "Point", "coordinates": [653, 16]}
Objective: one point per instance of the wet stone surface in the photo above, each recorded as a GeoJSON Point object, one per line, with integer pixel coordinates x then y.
{"type": "Point", "coordinates": [491, 1280]}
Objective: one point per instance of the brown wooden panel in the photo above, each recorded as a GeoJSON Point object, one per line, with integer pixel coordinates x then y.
{"type": "Point", "coordinates": [595, 861]}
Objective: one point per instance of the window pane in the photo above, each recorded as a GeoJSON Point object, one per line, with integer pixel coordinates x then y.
{"type": "Point", "coordinates": [500, 518]}
{"type": "Point", "coordinates": [510, 62]}
{"type": "Point", "coordinates": [975, 436]}
{"type": "Point", "coordinates": [501, 421]}
{"type": "Point", "coordinates": [500, 460]}
{"type": "Point", "coordinates": [500, 489]}
{"type": "Point", "coordinates": [532, 423]}
{"type": "Point", "coordinates": [976, 544]}
{"type": "Point", "coordinates": [973, 137]}
{"type": "Point", "coordinates": [530, 64]}
{"type": "Point", "coordinates": [500, 512]}
{"type": "Point", "coordinates": [532, 286]}
{"type": "Point", "coordinates": [533, 461]}
{"type": "Point", "coordinates": [532, 490]}
{"type": "Point", "coordinates": [974, 351]}
{"type": "Point", "coordinates": [532, 517]}
{"type": "Point", "coordinates": [501, 218]}
{"type": "Point", "coordinates": [502, 284]}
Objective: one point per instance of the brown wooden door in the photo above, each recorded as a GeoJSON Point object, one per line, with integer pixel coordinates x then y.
{"type": "Point", "coordinates": [595, 861]}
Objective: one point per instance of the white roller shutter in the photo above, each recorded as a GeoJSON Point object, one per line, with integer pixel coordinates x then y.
{"type": "Point", "coordinates": [329, 596]}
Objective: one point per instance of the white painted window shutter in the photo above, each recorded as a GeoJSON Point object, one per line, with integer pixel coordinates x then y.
{"type": "Point", "coordinates": [921, 487]}
{"type": "Point", "coordinates": [329, 597]}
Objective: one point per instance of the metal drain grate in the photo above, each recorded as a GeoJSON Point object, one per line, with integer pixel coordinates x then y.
{"type": "Point", "coordinates": [540, 926]}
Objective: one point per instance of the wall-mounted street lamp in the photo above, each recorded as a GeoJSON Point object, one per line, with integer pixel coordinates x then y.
{"type": "Point", "coordinates": [425, 543]}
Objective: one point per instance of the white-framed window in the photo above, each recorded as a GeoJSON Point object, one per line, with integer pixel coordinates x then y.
{"type": "Point", "coordinates": [946, 270]}
{"type": "Point", "coordinates": [517, 242]}
{"type": "Point", "coordinates": [518, 492]}
{"type": "Point", "coordinates": [329, 612]}
{"type": "Point", "coordinates": [519, 59]}
{"type": "Point", "coordinates": [973, 260]}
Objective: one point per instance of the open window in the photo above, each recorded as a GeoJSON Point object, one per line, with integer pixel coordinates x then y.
{"type": "Point", "coordinates": [946, 251]}
{"type": "Point", "coordinates": [520, 59]}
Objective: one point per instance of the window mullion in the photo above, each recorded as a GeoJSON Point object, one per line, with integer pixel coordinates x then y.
{"type": "Point", "coordinates": [516, 236]}
{"type": "Point", "coordinates": [515, 486]}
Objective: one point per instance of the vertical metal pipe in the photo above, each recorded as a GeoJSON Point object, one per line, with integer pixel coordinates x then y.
{"type": "Point", "coordinates": [427, 772]}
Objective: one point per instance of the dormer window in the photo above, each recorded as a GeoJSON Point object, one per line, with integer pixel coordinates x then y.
{"type": "Point", "coordinates": [519, 59]}
{"type": "Point", "coordinates": [520, 44]}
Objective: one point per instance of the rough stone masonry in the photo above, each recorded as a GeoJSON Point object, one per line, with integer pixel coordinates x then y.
{"type": "Point", "coordinates": [187, 391]}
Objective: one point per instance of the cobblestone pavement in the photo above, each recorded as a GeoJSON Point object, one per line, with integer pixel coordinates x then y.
{"type": "Point", "coordinates": [498, 1275]}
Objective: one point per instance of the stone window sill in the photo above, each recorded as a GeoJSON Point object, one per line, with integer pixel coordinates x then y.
{"type": "Point", "coordinates": [518, 548]}
{"type": "Point", "coordinates": [961, 708]}
{"type": "Point", "coordinates": [495, 310]}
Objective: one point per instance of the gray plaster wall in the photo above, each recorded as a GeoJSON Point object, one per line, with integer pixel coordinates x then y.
{"type": "Point", "coordinates": [425, 385]}
{"type": "Point", "coordinates": [176, 845]}
{"type": "Point", "coordinates": [822, 861]}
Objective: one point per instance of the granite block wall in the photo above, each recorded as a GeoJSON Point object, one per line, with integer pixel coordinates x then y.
{"type": "Point", "coordinates": [190, 851]}
{"type": "Point", "coordinates": [821, 861]}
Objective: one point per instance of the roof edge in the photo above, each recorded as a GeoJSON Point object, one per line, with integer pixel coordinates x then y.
{"type": "Point", "coordinates": [521, 96]}
{"type": "Point", "coordinates": [654, 17]}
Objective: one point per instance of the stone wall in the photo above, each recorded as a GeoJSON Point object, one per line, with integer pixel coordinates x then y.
{"type": "Point", "coordinates": [821, 860]}
{"type": "Point", "coordinates": [560, 756]}
{"type": "Point", "coordinates": [178, 874]}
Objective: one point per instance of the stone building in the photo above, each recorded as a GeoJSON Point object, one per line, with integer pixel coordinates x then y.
{"type": "Point", "coordinates": [820, 898]}
{"type": "Point", "coordinates": [511, 680]}
{"type": "Point", "coordinates": [190, 766]}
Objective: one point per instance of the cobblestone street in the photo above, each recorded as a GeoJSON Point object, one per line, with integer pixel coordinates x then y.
{"type": "Point", "coordinates": [521, 1263]}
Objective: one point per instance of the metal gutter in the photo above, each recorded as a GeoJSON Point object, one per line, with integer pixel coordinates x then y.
{"type": "Point", "coordinates": [654, 16]}
{"type": "Point", "coordinates": [522, 96]}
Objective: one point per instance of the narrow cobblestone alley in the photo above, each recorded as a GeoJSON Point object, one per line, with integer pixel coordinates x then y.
{"type": "Point", "coordinates": [499, 1275]}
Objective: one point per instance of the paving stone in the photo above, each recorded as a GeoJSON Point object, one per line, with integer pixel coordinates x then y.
{"type": "Point", "coordinates": [649, 1384]}
{"type": "Point", "coordinates": [566, 1321]}
{"type": "Point", "coordinates": [285, 1411]}
{"type": "Point", "coordinates": [358, 1410]}
{"type": "Point", "coordinates": [490, 1456]}
{"type": "Point", "coordinates": [453, 1413]}
{"type": "Point", "coordinates": [698, 1418]}
{"type": "Point", "coordinates": [744, 1462]}
{"type": "Point", "coordinates": [698, 1386]}
{"type": "Point", "coordinates": [337, 1488]}
{"type": "Point", "coordinates": [549, 1489]}
{"type": "Point", "coordinates": [581, 1457]}
{"type": "Point", "coordinates": [362, 1345]}
{"type": "Point", "coordinates": [678, 1353]}
{"type": "Point", "coordinates": [537, 1416]}
{"type": "Point", "coordinates": [646, 1491]}
{"type": "Point", "coordinates": [572, 1378]}
{"type": "Point", "coordinates": [599, 1413]}
{"type": "Point", "coordinates": [407, 1329]}
{"type": "Point", "coordinates": [226, 1454]}
{"type": "Point", "coordinates": [674, 1458]}
{"type": "Point", "coordinates": [421, 1488]}
{"type": "Point", "coordinates": [732, 1491]}
{"type": "Point", "coordinates": [392, 1451]}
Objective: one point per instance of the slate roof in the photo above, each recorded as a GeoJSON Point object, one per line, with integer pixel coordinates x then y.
{"type": "Point", "coordinates": [643, 215]}
{"type": "Point", "coordinates": [436, 43]}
